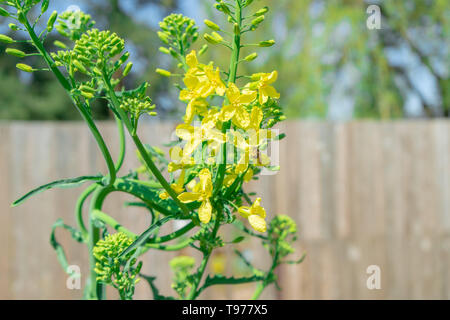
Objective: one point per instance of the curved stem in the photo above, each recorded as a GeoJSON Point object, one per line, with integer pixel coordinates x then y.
{"type": "Point", "coordinates": [143, 152]}
{"type": "Point", "coordinates": [120, 129]}
{"type": "Point", "coordinates": [84, 113]}
{"type": "Point", "coordinates": [79, 209]}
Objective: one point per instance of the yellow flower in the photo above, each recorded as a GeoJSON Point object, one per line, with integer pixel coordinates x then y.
{"type": "Point", "coordinates": [256, 215]}
{"type": "Point", "coordinates": [215, 82]}
{"type": "Point", "coordinates": [201, 192]}
{"type": "Point", "coordinates": [197, 104]}
{"type": "Point", "coordinates": [177, 187]}
{"type": "Point", "coordinates": [196, 135]}
{"type": "Point", "coordinates": [178, 161]}
{"type": "Point", "coordinates": [256, 134]}
{"type": "Point", "coordinates": [263, 85]}
{"type": "Point", "coordinates": [236, 109]}
{"type": "Point", "coordinates": [250, 150]}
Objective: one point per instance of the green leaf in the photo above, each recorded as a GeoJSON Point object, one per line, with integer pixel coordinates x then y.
{"type": "Point", "coordinates": [219, 279]}
{"type": "Point", "coordinates": [156, 295]}
{"type": "Point", "coordinates": [144, 236]}
{"type": "Point", "coordinates": [66, 183]}
{"type": "Point", "coordinates": [238, 239]}
{"type": "Point", "coordinates": [280, 136]}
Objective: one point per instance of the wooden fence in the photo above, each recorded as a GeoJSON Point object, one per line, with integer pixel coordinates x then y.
{"type": "Point", "coordinates": [362, 193]}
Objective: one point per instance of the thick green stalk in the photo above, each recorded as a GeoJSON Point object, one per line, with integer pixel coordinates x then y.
{"type": "Point", "coordinates": [231, 79]}
{"type": "Point", "coordinates": [265, 282]}
{"type": "Point", "coordinates": [121, 156]}
{"type": "Point", "coordinates": [84, 113]}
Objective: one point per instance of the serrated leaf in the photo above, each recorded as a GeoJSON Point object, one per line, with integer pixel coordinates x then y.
{"type": "Point", "coordinates": [156, 295]}
{"type": "Point", "coordinates": [65, 183]}
{"type": "Point", "coordinates": [219, 279]}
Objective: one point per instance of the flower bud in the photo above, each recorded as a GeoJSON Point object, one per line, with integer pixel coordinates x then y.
{"type": "Point", "coordinates": [59, 44]}
{"type": "Point", "coordinates": [236, 29]}
{"type": "Point", "coordinates": [163, 72]}
{"type": "Point", "coordinates": [16, 53]}
{"type": "Point", "coordinates": [44, 6]}
{"type": "Point", "coordinates": [164, 50]}
{"type": "Point", "coordinates": [86, 88]}
{"type": "Point", "coordinates": [224, 8]}
{"type": "Point", "coordinates": [211, 25]}
{"type": "Point", "coordinates": [13, 27]}
{"type": "Point", "coordinates": [127, 69]}
{"type": "Point", "coordinates": [267, 43]}
{"type": "Point", "coordinates": [210, 39]}
{"type": "Point", "coordinates": [51, 21]}
{"type": "Point", "coordinates": [258, 20]}
{"type": "Point", "coordinates": [203, 50]}
{"type": "Point", "coordinates": [251, 57]}
{"type": "Point", "coordinates": [79, 66]}
{"type": "Point", "coordinates": [153, 113]}
{"type": "Point", "coordinates": [24, 67]}
{"type": "Point", "coordinates": [87, 95]}
{"type": "Point", "coordinates": [6, 39]}
{"type": "Point", "coordinates": [21, 17]}
{"type": "Point", "coordinates": [163, 37]}
{"type": "Point", "coordinates": [3, 12]}
{"type": "Point", "coordinates": [262, 11]}
{"type": "Point", "coordinates": [248, 2]}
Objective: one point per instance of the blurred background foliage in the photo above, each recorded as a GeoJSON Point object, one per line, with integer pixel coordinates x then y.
{"type": "Point", "coordinates": [331, 65]}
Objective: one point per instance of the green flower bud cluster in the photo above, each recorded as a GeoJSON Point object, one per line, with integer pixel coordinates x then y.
{"type": "Point", "coordinates": [72, 24]}
{"type": "Point", "coordinates": [181, 267]}
{"type": "Point", "coordinates": [282, 232]}
{"type": "Point", "coordinates": [273, 113]}
{"type": "Point", "coordinates": [137, 107]}
{"type": "Point", "coordinates": [178, 33]}
{"type": "Point", "coordinates": [109, 267]}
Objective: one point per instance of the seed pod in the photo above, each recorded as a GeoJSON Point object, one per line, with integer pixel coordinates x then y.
{"type": "Point", "coordinates": [163, 72]}
{"type": "Point", "coordinates": [51, 21]}
{"type": "Point", "coordinates": [262, 11]}
{"type": "Point", "coordinates": [211, 25]}
{"type": "Point", "coordinates": [44, 6]}
{"type": "Point", "coordinates": [127, 69]}
{"type": "Point", "coordinates": [16, 53]}
{"type": "Point", "coordinates": [6, 39]}
{"type": "Point", "coordinates": [267, 43]}
{"type": "Point", "coordinates": [3, 12]}
{"type": "Point", "coordinates": [251, 57]}
{"type": "Point", "coordinates": [24, 67]}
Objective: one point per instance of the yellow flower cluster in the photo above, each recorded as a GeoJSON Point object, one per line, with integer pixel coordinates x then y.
{"type": "Point", "coordinates": [243, 109]}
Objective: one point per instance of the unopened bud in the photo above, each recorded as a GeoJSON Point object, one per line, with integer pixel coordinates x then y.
{"type": "Point", "coordinates": [127, 69]}
{"type": "Point", "coordinates": [251, 57]}
{"type": "Point", "coordinates": [60, 44]}
{"type": "Point", "coordinates": [236, 29]}
{"type": "Point", "coordinates": [262, 11]}
{"type": "Point", "coordinates": [21, 17]}
{"type": "Point", "coordinates": [203, 50]}
{"type": "Point", "coordinates": [163, 37]}
{"type": "Point", "coordinates": [24, 67]}
{"type": "Point", "coordinates": [210, 39]}
{"type": "Point", "coordinates": [267, 43]}
{"type": "Point", "coordinates": [13, 27]}
{"type": "Point", "coordinates": [211, 25]}
{"type": "Point", "coordinates": [79, 66]}
{"type": "Point", "coordinates": [16, 53]}
{"type": "Point", "coordinates": [164, 50]}
{"type": "Point", "coordinates": [163, 72]}
{"type": "Point", "coordinates": [6, 39]}
{"type": "Point", "coordinates": [51, 21]}
{"type": "Point", "coordinates": [258, 20]}
{"type": "Point", "coordinates": [44, 6]}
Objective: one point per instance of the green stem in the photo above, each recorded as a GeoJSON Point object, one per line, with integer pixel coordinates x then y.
{"type": "Point", "coordinates": [84, 113]}
{"type": "Point", "coordinates": [121, 156]}
{"type": "Point", "coordinates": [266, 281]}
{"type": "Point", "coordinates": [79, 209]}
{"type": "Point", "coordinates": [231, 79]}
{"type": "Point", "coordinates": [143, 152]}
{"type": "Point", "coordinates": [194, 292]}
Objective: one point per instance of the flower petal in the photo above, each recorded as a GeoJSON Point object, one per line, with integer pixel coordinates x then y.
{"type": "Point", "coordinates": [187, 197]}
{"type": "Point", "coordinates": [258, 223]}
{"type": "Point", "coordinates": [204, 212]}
